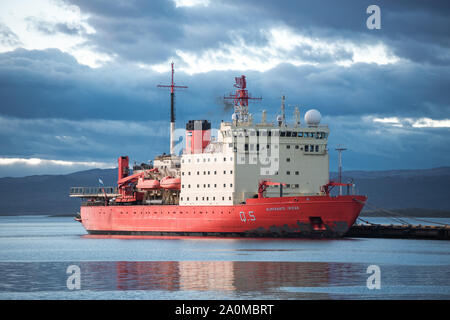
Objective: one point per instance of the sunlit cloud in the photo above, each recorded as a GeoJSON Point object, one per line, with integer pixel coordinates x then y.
{"type": "Point", "coordinates": [191, 3]}
{"type": "Point", "coordinates": [43, 24]}
{"type": "Point", "coordinates": [415, 123]}
{"type": "Point", "coordinates": [46, 162]}
{"type": "Point", "coordinates": [430, 123]}
{"type": "Point", "coordinates": [283, 46]}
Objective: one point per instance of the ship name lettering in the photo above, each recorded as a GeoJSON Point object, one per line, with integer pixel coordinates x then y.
{"type": "Point", "coordinates": [276, 209]}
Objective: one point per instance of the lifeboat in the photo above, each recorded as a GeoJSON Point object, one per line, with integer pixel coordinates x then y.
{"type": "Point", "coordinates": [171, 183]}
{"type": "Point", "coordinates": [148, 184]}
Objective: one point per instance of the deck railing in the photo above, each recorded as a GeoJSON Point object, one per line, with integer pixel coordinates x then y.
{"type": "Point", "coordinates": [93, 191]}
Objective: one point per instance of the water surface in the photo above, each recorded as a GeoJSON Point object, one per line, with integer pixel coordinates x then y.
{"type": "Point", "coordinates": [35, 252]}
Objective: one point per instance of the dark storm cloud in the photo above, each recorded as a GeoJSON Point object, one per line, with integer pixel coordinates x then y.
{"type": "Point", "coordinates": [54, 108]}
{"type": "Point", "coordinates": [55, 85]}
{"type": "Point", "coordinates": [150, 31]}
{"type": "Point", "coordinates": [403, 89]}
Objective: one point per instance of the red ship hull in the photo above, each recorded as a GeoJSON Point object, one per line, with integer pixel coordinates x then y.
{"type": "Point", "coordinates": [313, 216]}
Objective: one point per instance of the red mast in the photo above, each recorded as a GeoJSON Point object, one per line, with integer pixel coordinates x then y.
{"type": "Point", "coordinates": [240, 99]}
{"type": "Point", "coordinates": [172, 87]}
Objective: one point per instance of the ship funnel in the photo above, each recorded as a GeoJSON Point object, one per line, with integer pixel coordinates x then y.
{"type": "Point", "coordinates": [198, 136]}
{"type": "Point", "coordinates": [124, 163]}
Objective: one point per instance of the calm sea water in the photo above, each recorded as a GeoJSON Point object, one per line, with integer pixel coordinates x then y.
{"type": "Point", "coordinates": [36, 251]}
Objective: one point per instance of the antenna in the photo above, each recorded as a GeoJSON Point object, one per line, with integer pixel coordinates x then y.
{"type": "Point", "coordinates": [240, 99]}
{"type": "Point", "coordinates": [283, 112]}
{"type": "Point", "coordinates": [172, 87]}
{"type": "Point", "coordinates": [296, 114]}
{"type": "Point", "coordinates": [339, 149]}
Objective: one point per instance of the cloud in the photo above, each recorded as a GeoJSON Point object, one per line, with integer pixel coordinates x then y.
{"type": "Point", "coordinates": [415, 123]}
{"type": "Point", "coordinates": [81, 140]}
{"type": "Point", "coordinates": [44, 24]}
{"type": "Point", "coordinates": [78, 78]}
{"type": "Point", "coordinates": [19, 167]}
{"type": "Point", "coordinates": [191, 3]}
{"type": "Point", "coordinates": [386, 145]}
{"type": "Point", "coordinates": [8, 38]}
{"type": "Point", "coordinates": [282, 45]}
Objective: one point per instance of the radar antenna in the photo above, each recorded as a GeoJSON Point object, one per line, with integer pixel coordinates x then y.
{"type": "Point", "coordinates": [240, 100]}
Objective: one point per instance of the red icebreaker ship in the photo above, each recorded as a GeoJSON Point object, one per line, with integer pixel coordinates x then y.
{"type": "Point", "coordinates": [266, 179]}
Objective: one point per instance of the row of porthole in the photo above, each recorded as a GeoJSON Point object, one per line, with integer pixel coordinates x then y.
{"type": "Point", "coordinates": [181, 212]}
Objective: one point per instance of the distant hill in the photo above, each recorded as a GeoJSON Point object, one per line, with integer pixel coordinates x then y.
{"type": "Point", "coordinates": [49, 194]}
{"type": "Point", "coordinates": [393, 189]}
{"type": "Point", "coordinates": [401, 189]}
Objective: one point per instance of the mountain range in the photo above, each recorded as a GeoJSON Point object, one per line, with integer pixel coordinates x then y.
{"type": "Point", "coordinates": [402, 190]}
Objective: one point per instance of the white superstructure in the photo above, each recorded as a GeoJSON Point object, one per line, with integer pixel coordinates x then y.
{"type": "Point", "coordinates": [229, 169]}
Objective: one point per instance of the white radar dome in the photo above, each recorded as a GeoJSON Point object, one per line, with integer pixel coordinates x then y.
{"type": "Point", "coordinates": [313, 117]}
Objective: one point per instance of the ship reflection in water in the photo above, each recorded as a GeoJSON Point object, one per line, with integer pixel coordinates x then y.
{"type": "Point", "coordinates": [231, 278]}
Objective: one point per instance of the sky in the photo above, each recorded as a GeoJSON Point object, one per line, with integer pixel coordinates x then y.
{"type": "Point", "coordinates": [78, 78]}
